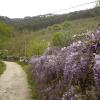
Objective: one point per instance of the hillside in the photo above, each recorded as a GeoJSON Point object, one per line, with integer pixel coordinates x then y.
{"type": "Point", "coordinates": [60, 55]}
{"type": "Point", "coordinates": [25, 41]}
{"type": "Point", "coordinates": [43, 21]}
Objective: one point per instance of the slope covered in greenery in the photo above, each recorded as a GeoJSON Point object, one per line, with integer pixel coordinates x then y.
{"type": "Point", "coordinates": [28, 42]}
{"type": "Point", "coordinates": [31, 43]}
{"type": "Point", "coordinates": [43, 21]}
{"type": "Point", "coordinates": [32, 35]}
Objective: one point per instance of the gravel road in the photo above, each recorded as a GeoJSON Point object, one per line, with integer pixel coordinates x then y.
{"type": "Point", "coordinates": [13, 83]}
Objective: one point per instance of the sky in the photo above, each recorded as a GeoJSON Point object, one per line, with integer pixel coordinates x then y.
{"type": "Point", "coordinates": [23, 8]}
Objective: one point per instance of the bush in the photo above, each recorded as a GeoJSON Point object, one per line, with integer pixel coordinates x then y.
{"type": "Point", "coordinates": [56, 27]}
{"type": "Point", "coordinates": [58, 39]}
{"type": "Point", "coordinates": [62, 39]}
{"type": "Point", "coordinates": [66, 25]}
{"type": "Point", "coordinates": [37, 47]}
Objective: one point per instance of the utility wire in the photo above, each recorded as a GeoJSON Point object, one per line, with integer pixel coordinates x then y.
{"type": "Point", "coordinates": [72, 7]}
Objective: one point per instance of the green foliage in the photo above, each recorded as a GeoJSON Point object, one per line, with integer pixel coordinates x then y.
{"type": "Point", "coordinates": [5, 30]}
{"type": "Point", "coordinates": [43, 21]}
{"type": "Point", "coordinates": [58, 39]}
{"type": "Point", "coordinates": [37, 47]}
{"type": "Point", "coordinates": [29, 43]}
{"type": "Point", "coordinates": [5, 34]}
{"type": "Point", "coordinates": [2, 67]}
{"type": "Point", "coordinates": [76, 27]}
{"type": "Point", "coordinates": [56, 27]}
{"type": "Point", "coordinates": [66, 24]}
{"type": "Point", "coordinates": [3, 53]}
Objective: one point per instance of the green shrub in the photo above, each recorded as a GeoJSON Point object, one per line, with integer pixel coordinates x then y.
{"type": "Point", "coordinates": [36, 47]}
{"type": "Point", "coordinates": [62, 39]}
{"type": "Point", "coordinates": [58, 39]}
{"type": "Point", "coordinates": [56, 27]}
{"type": "Point", "coordinates": [66, 24]}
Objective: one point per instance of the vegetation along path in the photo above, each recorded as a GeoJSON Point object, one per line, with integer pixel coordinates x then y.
{"type": "Point", "coordinates": [13, 83]}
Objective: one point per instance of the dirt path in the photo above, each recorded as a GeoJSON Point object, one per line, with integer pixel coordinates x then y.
{"type": "Point", "coordinates": [13, 83]}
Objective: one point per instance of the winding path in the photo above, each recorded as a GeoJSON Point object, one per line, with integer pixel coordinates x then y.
{"type": "Point", "coordinates": [13, 83]}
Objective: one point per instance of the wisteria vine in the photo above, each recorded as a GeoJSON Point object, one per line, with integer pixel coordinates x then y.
{"type": "Point", "coordinates": [67, 73]}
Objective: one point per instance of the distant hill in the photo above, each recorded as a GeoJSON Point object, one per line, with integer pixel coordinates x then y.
{"type": "Point", "coordinates": [43, 21]}
{"type": "Point", "coordinates": [30, 35]}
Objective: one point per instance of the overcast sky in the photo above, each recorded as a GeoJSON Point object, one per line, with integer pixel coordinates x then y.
{"type": "Point", "coordinates": [22, 8]}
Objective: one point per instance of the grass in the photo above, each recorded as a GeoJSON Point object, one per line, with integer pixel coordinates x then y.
{"type": "Point", "coordinates": [2, 67]}
{"type": "Point", "coordinates": [29, 43]}
{"type": "Point", "coordinates": [30, 80]}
